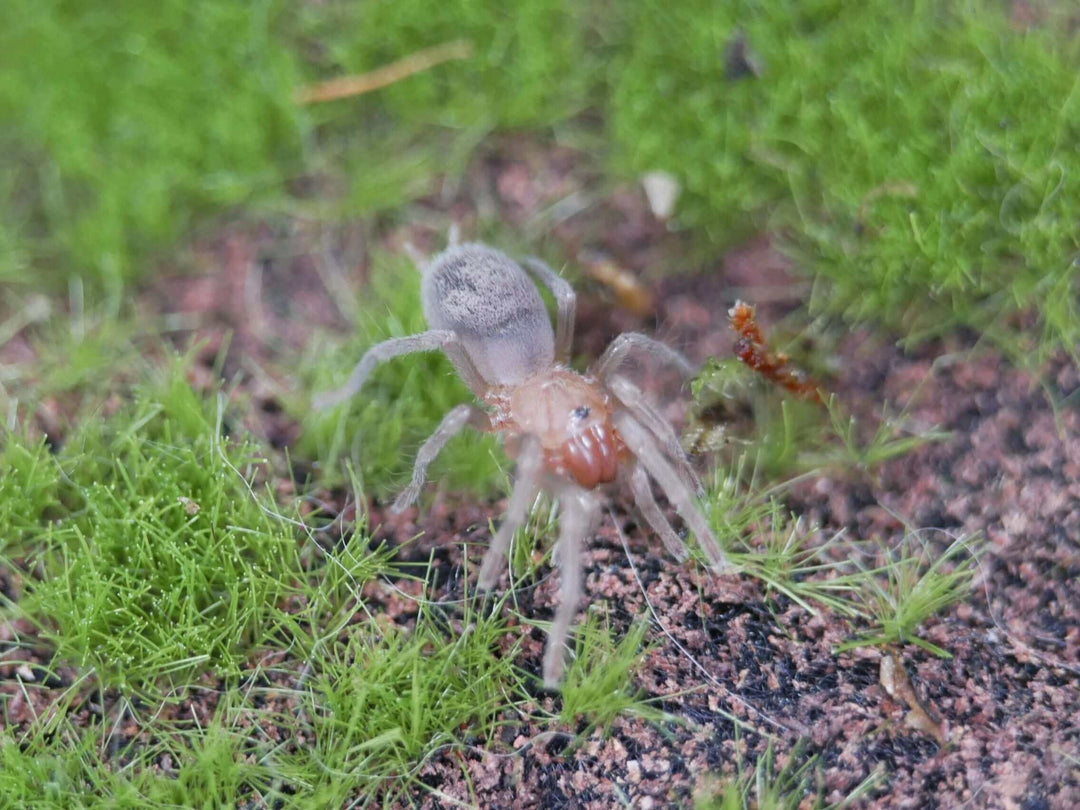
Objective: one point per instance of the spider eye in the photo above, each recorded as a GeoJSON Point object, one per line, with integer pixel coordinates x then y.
{"type": "Point", "coordinates": [581, 411]}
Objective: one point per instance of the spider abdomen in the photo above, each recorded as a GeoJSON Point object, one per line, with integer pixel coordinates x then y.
{"type": "Point", "coordinates": [491, 304]}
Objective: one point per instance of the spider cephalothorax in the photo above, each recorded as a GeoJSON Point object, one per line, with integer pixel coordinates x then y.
{"type": "Point", "coordinates": [569, 433]}
{"type": "Point", "coordinates": [570, 415]}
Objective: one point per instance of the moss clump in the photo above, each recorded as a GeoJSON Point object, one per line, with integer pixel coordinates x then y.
{"type": "Point", "coordinates": [924, 157]}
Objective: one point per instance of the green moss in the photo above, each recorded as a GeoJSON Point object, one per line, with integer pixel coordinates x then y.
{"type": "Point", "coordinates": [533, 62]}
{"type": "Point", "coordinates": [383, 700]}
{"type": "Point", "coordinates": [124, 127]}
{"type": "Point", "coordinates": [122, 123]}
{"type": "Point", "coordinates": [142, 549]}
{"type": "Point", "coordinates": [923, 157]}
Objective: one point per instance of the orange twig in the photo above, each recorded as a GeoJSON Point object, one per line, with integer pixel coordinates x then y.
{"type": "Point", "coordinates": [348, 86]}
{"type": "Point", "coordinates": [754, 352]}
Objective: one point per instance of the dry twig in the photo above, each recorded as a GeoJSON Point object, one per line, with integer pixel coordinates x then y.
{"type": "Point", "coordinates": [349, 86]}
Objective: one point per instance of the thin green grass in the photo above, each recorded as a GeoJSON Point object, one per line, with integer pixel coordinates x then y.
{"type": "Point", "coordinates": [906, 584]}
{"type": "Point", "coordinates": [598, 681]}
{"type": "Point", "coordinates": [46, 768]}
{"type": "Point", "coordinates": [370, 711]}
{"type": "Point", "coordinates": [895, 595]}
{"type": "Point", "coordinates": [154, 561]}
{"type": "Point", "coordinates": [922, 158]}
{"type": "Point", "coordinates": [787, 436]}
{"type": "Point", "coordinates": [791, 440]}
{"type": "Point", "coordinates": [913, 584]}
{"type": "Point", "coordinates": [794, 785]}
{"type": "Point", "coordinates": [61, 760]}
{"type": "Point", "coordinates": [143, 551]}
{"type": "Point", "coordinates": [383, 701]}
{"type": "Point", "coordinates": [902, 587]}
{"type": "Point", "coordinates": [892, 438]}
{"type": "Point", "coordinates": [29, 490]}
{"type": "Point", "coordinates": [138, 582]}
{"type": "Point", "coordinates": [764, 541]}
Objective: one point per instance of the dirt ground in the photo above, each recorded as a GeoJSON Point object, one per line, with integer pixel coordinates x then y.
{"type": "Point", "coordinates": [1008, 701]}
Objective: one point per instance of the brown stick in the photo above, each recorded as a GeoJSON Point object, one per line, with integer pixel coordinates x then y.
{"type": "Point", "coordinates": [348, 86]}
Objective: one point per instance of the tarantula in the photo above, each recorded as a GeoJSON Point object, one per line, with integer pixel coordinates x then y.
{"type": "Point", "coordinates": [568, 432]}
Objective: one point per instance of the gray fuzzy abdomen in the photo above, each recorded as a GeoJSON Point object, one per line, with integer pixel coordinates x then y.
{"type": "Point", "coordinates": [492, 304]}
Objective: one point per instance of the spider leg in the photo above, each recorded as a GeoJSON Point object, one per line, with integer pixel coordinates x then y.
{"type": "Point", "coordinates": [529, 466]}
{"type": "Point", "coordinates": [635, 401]}
{"type": "Point", "coordinates": [645, 448]}
{"type": "Point", "coordinates": [379, 353]}
{"type": "Point", "coordinates": [616, 353]}
{"type": "Point", "coordinates": [451, 425]}
{"type": "Point", "coordinates": [395, 347]}
{"type": "Point", "coordinates": [643, 497]}
{"type": "Point", "coordinates": [418, 258]}
{"type": "Point", "coordinates": [580, 510]}
{"type": "Point", "coordinates": [565, 299]}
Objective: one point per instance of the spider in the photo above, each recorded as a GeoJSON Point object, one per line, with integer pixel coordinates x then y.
{"type": "Point", "coordinates": [569, 433]}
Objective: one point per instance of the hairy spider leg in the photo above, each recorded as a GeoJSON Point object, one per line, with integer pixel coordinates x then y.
{"type": "Point", "coordinates": [453, 239]}
{"type": "Point", "coordinates": [529, 468]}
{"type": "Point", "coordinates": [395, 347]}
{"type": "Point", "coordinates": [579, 511]}
{"type": "Point", "coordinates": [635, 401]}
{"type": "Point", "coordinates": [452, 424]}
{"type": "Point", "coordinates": [565, 300]}
{"type": "Point", "coordinates": [616, 354]}
{"type": "Point", "coordinates": [642, 445]}
{"type": "Point", "coordinates": [646, 503]}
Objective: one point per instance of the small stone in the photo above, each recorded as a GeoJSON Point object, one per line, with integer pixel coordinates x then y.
{"type": "Point", "coordinates": [663, 191]}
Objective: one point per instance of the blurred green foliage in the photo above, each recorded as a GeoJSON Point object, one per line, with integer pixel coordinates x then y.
{"type": "Point", "coordinates": [922, 157]}
{"type": "Point", "coordinates": [123, 121]}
